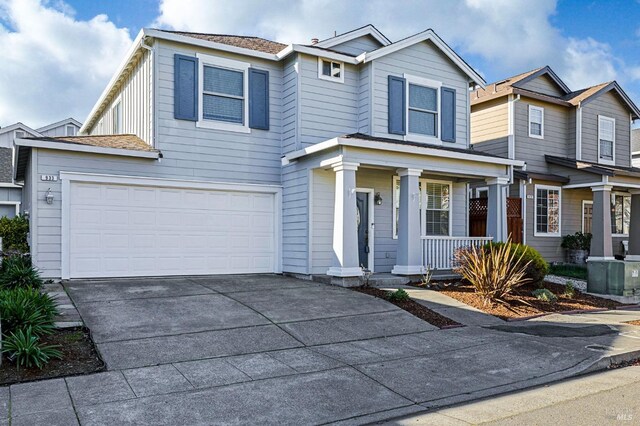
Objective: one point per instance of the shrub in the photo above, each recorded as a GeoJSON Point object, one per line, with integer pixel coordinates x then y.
{"type": "Point", "coordinates": [537, 267]}
{"type": "Point", "coordinates": [494, 272]}
{"type": "Point", "coordinates": [399, 295]}
{"type": "Point", "coordinates": [13, 232]}
{"type": "Point", "coordinates": [577, 241]}
{"type": "Point", "coordinates": [22, 308]}
{"type": "Point", "coordinates": [545, 295]}
{"type": "Point", "coordinates": [25, 349]}
{"type": "Point", "coordinates": [18, 272]}
{"type": "Point", "coordinates": [569, 290]}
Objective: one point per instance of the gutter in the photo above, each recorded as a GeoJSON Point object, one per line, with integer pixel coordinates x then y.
{"type": "Point", "coordinates": [62, 146]}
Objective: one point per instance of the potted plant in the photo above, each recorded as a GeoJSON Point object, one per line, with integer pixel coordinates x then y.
{"type": "Point", "coordinates": [577, 246]}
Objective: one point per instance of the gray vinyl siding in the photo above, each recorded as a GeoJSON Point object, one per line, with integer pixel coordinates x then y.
{"type": "Point", "coordinates": [384, 244]}
{"type": "Point", "coordinates": [533, 150]}
{"type": "Point", "coordinates": [610, 106]}
{"type": "Point", "coordinates": [549, 247]}
{"type": "Point", "coordinates": [571, 132]}
{"type": "Point", "coordinates": [364, 99]}
{"type": "Point", "coordinates": [290, 99]}
{"type": "Point", "coordinates": [543, 84]}
{"type": "Point", "coordinates": [135, 94]}
{"type": "Point", "coordinates": [295, 219]}
{"type": "Point", "coordinates": [498, 146]}
{"type": "Point", "coordinates": [357, 46]}
{"type": "Point", "coordinates": [59, 130]}
{"type": "Point", "coordinates": [191, 151]}
{"type": "Point", "coordinates": [327, 108]}
{"type": "Point", "coordinates": [421, 60]}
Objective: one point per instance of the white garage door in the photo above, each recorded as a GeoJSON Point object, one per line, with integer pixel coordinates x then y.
{"type": "Point", "coordinates": [123, 231]}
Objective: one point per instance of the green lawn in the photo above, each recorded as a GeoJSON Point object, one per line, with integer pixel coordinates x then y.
{"type": "Point", "coordinates": [571, 271]}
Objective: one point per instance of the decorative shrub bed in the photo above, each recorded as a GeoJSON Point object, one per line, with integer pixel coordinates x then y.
{"type": "Point", "coordinates": [570, 271]}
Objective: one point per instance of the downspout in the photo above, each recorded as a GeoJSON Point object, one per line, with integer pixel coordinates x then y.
{"type": "Point", "coordinates": [579, 132]}
{"type": "Point", "coordinates": [154, 94]}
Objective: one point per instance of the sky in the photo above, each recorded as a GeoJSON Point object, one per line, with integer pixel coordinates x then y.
{"type": "Point", "coordinates": [58, 56]}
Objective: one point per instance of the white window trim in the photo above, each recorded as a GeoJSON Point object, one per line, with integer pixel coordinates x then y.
{"type": "Point", "coordinates": [600, 160]}
{"type": "Point", "coordinates": [480, 189]}
{"type": "Point", "coordinates": [536, 108]}
{"type": "Point", "coordinates": [423, 211]}
{"type": "Point", "coordinates": [585, 202]}
{"type": "Point", "coordinates": [535, 211]}
{"type": "Point", "coordinates": [622, 194]}
{"type": "Point", "coordinates": [433, 84]}
{"type": "Point", "coordinates": [215, 61]}
{"type": "Point", "coordinates": [67, 127]}
{"type": "Point", "coordinates": [321, 76]}
{"type": "Point", "coordinates": [16, 205]}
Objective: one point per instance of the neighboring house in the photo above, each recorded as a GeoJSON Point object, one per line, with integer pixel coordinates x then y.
{"type": "Point", "coordinates": [67, 127]}
{"type": "Point", "coordinates": [577, 150]}
{"type": "Point", "coordinates": [214, 154]}
{"type": "Point", "coordinates": [635, 147]}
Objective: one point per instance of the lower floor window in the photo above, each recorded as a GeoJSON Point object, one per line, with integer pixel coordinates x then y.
{"type": "Point", "coordinates": [587, 216]}
{"type": "Point", "coordinates": [547, 210]}
{"type": "Point", "coordinates": [620, 214]}
{"type": "Point", "coordinates": [435, 207]}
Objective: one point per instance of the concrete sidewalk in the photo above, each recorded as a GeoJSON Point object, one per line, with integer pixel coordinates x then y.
{"type": "Point", "coordinates": [605, 398]}
{"type": "Point", "coordinates": [275, 350]}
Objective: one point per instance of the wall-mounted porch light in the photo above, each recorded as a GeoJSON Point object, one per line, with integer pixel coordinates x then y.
{"type": "Point", "coordinates": [48, 197]}
{"type": "Point", "coordinates": [378, 199]}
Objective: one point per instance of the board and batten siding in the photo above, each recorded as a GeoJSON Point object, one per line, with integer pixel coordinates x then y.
{"type": "Point", "coordinates": [135, 95]}
{"type": "Point", "coordinates": [327, 108]}
{"type": "Point", "coordinates": [533, 150]}
{"type": "Point", "coordinates": [356, 46]}
{"type": "Point", "coordinates": [543, 84]}
{"type": "Point", "coordinates": [607, 105]}
{"type": "Point", "coordinates": [385, 246]}
{"type": "Point", "coordinates": [426, 61]}
{"type": "Point", "coordinates": [217, 154]}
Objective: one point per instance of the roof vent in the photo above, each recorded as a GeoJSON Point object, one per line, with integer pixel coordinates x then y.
{"type": "Point", "coordinates": [314, 40]}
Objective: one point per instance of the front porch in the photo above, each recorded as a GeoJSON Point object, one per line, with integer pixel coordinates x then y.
{"type": "Point", "coordinates": [397, 213]}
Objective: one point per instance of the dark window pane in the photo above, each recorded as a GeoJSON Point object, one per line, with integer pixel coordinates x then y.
{"type": "Point", "coordinates": [222, 109]}
{"type": "Point", "coordinates": [422, 122]}
{"type": "Point", "coordinates": [423, 97]}
{"type": "Point", "coordinates": [223, 81]}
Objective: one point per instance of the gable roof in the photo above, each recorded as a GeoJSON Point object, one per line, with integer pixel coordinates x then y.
{"type": "Point", "coordinates": [427, 35]}
{"type": "Point", "coordinates": [19, 126]}
{"type": "Point", "coordinates": [368, 29]}
{"type": "Point", "coordinates": [247, 42]}
{"type": "Point", "coordinates": [581, 97]}
{"type": "Point", "coordinates": [514, 85]}
{"type": "Point", "coordinates": [60, 123]}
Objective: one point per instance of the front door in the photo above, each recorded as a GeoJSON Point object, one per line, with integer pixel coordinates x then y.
{"type": "Point", "coordinates": [362, 203]}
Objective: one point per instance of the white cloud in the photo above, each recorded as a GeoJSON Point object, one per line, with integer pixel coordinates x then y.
{"type": "Point", "coordinates": [505, 36]}
{"type": "Point", "coordinates": [54, 66]}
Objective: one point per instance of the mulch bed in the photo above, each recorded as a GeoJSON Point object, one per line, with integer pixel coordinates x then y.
{"type": "Point", "coordinates": [465, 293]}
{"type": "Point", "coordinates": [631, 363]}
{"type": "Point", "coordinates": [79, 356]}
{"type": "Point", "coordinates": [635, 322]}
{"type": "Point", "coordinates": [412, 307]}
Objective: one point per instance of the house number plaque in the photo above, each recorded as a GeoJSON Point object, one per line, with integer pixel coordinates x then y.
{"type": "Point", "coordinates": [49, 178]}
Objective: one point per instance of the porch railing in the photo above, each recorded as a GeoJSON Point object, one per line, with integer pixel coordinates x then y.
{"type": "Point", "coordinates": [437, 252]}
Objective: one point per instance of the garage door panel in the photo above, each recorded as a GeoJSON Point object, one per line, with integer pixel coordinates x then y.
{"type": "Point", "coordinates": [119, 230]}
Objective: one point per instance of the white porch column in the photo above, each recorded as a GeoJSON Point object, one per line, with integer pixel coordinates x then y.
{"type": "Point", "coordinates": [497, 209]}
{"type": "Point", "coordinates": [345, 227]}
{"type": "Point", "coordinates": [634, 227]}
{"type": "Point", "coordinates": [409, 253]}
{"type": "Point", "coordinates": [601, 243]}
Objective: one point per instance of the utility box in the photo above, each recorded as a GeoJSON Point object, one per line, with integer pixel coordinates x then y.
{"type": "Point", "coordinates": [615, 277]}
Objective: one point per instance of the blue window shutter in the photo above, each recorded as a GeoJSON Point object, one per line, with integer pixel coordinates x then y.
{"type": "Point", "coordinates": [185, 94]}
{"type": "Point", "coordinates": [448, 114]}
{"type": "Point", "coordinates": [258, 99]}
{"type": "Point", "coordinates": [397, 105]}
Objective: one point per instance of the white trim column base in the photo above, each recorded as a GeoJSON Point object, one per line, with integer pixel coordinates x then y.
{"type": "Point", "coordinates": [336, 271]}
{"type": "Point", "coordinates": [407, 270]}
{"type": "Point", "coordinates": [632, 258]}
{"type": "Point", "coordinates": [599, 259]}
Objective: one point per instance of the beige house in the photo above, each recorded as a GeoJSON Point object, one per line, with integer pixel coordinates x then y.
{"type": "Point", "coordinates": [577, 149]}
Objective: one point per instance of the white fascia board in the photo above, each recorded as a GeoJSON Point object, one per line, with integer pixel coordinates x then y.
{"type": "Point", "coordinates": [316, 52]}
{"type": "Point", "coordinates": [208, 44]}
{"type": "Point", "coordinates": [420, 37]}
{"type": "Point", "coordinates": [407, 149]}
{"type": "Point", "coordinates": [19, 126]}
{"type": "Point", "coordinates": [367, 30]}
{"type": "Point", "coordinates": [116, 76]}
{"type": "Point", "coordinates": [34, 143]}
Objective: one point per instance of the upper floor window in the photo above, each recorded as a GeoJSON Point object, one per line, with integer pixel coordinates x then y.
{"type": "Point", "coordinates": [606, 140]}
{"type": "Point", "coordinates": [547, 217]}
{"type": "Point", "coordinates": [536, 122]}
{"type": "Point", "coordinates": [116, 116]}
{"type": "Point", "coordinates": [70, 130]}
{"type": "Point", "coordinates": [423, 108]}
{"type": "Point", "coordinates": [330, 70]}
{"type": "Point", "coordinates": [19, 134]}
{"type": "Point", "coordinates": [223, 94]}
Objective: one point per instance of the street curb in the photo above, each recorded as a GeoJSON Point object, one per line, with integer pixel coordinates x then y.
{"type": "Point", "coordinates": [573, 312]}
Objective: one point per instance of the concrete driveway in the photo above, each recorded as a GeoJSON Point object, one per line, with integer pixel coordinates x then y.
{"type": "Point", "coordinates": [275, 350]}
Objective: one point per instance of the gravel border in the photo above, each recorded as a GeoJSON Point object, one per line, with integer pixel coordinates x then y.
{"type": "Point", "coordinates": [577, 283]}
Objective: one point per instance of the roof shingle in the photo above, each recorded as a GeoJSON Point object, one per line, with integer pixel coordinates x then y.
{"type": "Point", "coordinates": [126, 141]}
{"type": "Point", "coordinates": [247, 42]}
